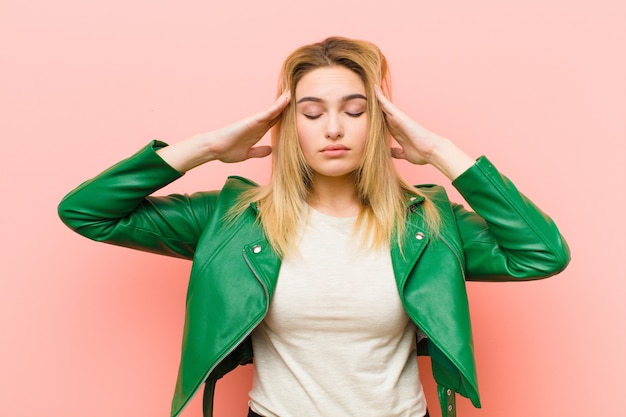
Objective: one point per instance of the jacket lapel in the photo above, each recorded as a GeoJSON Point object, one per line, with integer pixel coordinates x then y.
{"type": "Point", "coordinates": [264, 263]}
{"type": "Point", "coordinates": [413, 241]}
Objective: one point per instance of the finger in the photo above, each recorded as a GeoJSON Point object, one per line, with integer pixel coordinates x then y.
{"type": "Point", "coordinates": [398, 153]}
{"type": "Point", "coordinates": [259, 151]}
{"type": "Point", "coordinates": [279, 105]}
{"type": "Point", "coordinates": [386, 105]}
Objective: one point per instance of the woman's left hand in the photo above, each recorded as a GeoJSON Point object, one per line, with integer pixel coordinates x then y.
{"type": "Point", "coordinates": [416, 142]}
{"type": "Point", "coordinates": [419, 145]}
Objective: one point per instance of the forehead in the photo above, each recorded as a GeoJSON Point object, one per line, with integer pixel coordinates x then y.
{"type": "Point", "coordinates": [329, 83]}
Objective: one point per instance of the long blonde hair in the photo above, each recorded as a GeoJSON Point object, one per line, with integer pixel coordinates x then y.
{"type": "Point", "coordinates": [381, 191]}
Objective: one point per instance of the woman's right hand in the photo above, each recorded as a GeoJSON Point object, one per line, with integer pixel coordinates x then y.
{"type": "Point", "coordinates": [232, 143]}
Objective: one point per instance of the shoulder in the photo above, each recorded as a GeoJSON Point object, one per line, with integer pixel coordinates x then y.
{"type": "Point", "coordinates": [233, 195]}
{"type": "Point", "coordinates": [206, 204]}
{"type": "Point", "coordinates": [434, 192]}
{"type": "Point", "coordinates": [235, 185]}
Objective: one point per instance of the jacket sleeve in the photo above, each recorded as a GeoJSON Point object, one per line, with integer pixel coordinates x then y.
{"type": "Point", "coordinates": [116, 207]}
{"type": "Point", "coordinates": [507, 237]}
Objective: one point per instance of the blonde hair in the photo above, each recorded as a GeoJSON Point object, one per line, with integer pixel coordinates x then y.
{"type": "Point", "coordinates": [381, 191]}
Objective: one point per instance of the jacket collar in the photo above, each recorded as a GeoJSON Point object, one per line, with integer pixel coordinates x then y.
{"type": "Point", "coordinates": [403, 256]}
{"type": "Point", "coordinates": [411, 201]}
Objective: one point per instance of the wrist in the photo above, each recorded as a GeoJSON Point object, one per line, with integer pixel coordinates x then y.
{"type": "Point", "coordinates": [449, 159]}
{"type": "Point", "coordinates": [189, 153]}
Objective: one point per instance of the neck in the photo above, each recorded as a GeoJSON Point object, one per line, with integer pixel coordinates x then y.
{"type": "Point", "coordinates": [335, 196]}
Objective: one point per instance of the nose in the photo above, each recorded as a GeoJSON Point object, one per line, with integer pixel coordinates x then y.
{"type": "Point", "coordinates": [334, 128]}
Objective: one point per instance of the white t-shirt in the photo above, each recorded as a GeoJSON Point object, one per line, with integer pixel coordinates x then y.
{"type": "Point", "coordinates": [336, 340]}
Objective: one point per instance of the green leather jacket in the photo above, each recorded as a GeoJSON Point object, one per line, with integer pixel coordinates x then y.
{"type": "Point", "coordinates": [235, 270]}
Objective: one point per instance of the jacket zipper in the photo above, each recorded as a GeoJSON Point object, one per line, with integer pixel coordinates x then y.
{"type": "Point", "coordinates": [417, 322]}
{"type": "Point", "coordinates": [241, 339]}
{"type": "Point", "coordinates": [458, 259]}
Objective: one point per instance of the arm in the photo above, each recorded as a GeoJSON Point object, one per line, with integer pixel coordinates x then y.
{"type": "Point", "coordinates": [507, 236]}
{"type": "Point", "coordinates": [116, 206]}
{"type": "Point", "coordinates": [233, 143]}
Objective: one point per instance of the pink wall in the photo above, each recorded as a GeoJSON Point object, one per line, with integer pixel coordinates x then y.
{"type": "Point", "coordinates": [93, 330]}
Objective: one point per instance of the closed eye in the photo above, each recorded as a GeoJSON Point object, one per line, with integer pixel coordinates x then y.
{"type": "Point", "coordinates": [355, 114]}
{"type": "Point", "coordinates": [312, 116]}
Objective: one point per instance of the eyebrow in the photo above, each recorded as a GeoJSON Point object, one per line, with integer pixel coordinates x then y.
{"type": "Point", "coordinates": [343, 99]}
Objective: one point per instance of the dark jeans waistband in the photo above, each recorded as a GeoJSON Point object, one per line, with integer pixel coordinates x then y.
{"type": "Point", "coordinates": [253, 414]}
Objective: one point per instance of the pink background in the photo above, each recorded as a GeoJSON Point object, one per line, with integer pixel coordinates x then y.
{"type": "Point", "coordinates": [539, 86]}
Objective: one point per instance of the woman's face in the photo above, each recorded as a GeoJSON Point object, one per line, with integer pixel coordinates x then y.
{"type": "Point", "coordinates": [331, 120]}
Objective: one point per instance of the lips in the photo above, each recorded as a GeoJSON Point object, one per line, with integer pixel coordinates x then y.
{"type": "Point", "coordinates": [335, 147]}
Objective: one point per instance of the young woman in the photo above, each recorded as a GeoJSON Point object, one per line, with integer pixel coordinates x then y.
{"type": "Point", "coordinates": [336, 272]}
